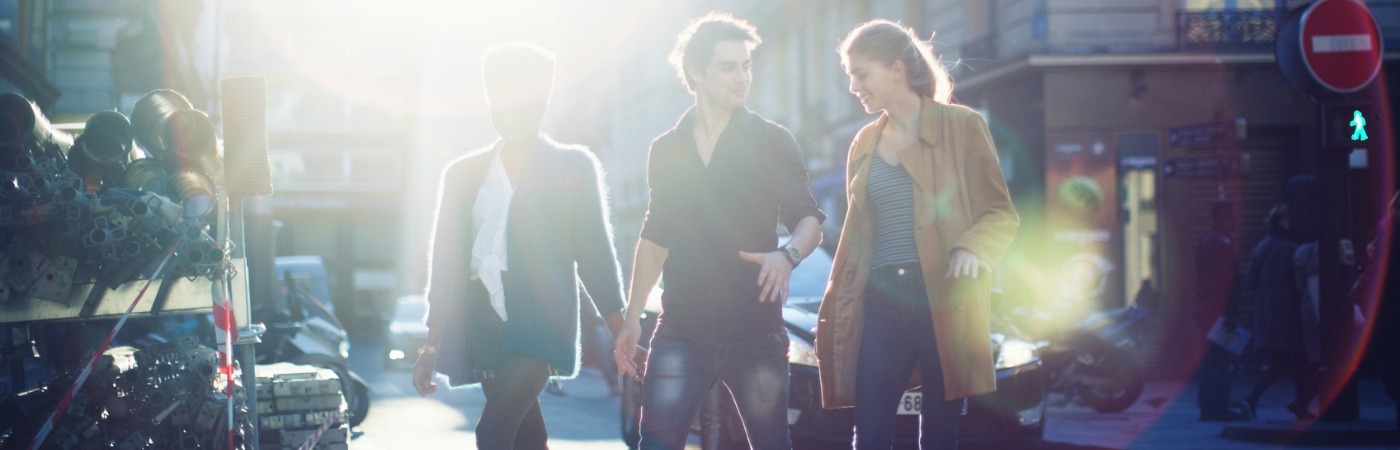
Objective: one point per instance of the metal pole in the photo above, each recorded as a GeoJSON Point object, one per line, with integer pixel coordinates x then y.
{"type": "Point", "coordinates": [1336, 255]}
{"type": "Point", "coordinates": [248, 338]}
{"type": "Point", "coordinates": [249, 335]}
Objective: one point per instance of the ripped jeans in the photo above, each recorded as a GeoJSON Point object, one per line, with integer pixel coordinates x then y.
{"type": "Point", "coordinates": [682, 370]}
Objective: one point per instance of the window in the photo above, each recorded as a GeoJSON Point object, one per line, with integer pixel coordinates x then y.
{"type": "Point", "coordinates": [307, 168]}
{"type": "Point", "coordinates": [8, 10]}
{"type": "Point", "coordinates": [364, 169]}
{"type": "Point", "coordinates": [374, 169]}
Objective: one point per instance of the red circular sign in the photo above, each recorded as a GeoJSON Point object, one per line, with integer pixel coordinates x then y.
{"type": "Point", "coordinates": [1341, 44]}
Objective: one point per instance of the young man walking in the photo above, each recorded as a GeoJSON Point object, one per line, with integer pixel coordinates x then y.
{"type": "Point", "coordinates": [721, 182]}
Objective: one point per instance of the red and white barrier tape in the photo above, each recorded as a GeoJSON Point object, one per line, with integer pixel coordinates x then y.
{"type": "Point", "coordinates": [227, 332]}
{"type": "Point", "coordinates": [87, 369]}
{"type": "Point", "coordinates": [311, 441]}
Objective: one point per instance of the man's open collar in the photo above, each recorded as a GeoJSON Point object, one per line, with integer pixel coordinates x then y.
{"type": "Point", "coordinates": [743, 117]}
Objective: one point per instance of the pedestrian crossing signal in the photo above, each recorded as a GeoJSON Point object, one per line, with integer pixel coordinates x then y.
{"type": "Point", "coordinates": [1348, 124]}
{"type": "Point", "coordinates": [1358, 123]}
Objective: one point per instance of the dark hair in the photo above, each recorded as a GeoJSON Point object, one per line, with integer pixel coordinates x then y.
{"type": "Point", "coordinates": [507, 64]}
{"type": "Point", "coordinates": [696, 44]}
{"type": "Point", "coordinates": [885, 41]}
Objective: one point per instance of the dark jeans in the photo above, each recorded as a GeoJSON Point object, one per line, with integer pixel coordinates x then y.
{"type": "Point", "coordinates": [898, 335]}
{"type": "Point", "coordinates": [682, 370]}
{"type": "Point", "coordinates": [511, 418]}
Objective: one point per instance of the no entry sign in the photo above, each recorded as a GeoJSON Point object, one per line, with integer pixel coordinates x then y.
{"type": "Point", "coordinates": [1341, 44]}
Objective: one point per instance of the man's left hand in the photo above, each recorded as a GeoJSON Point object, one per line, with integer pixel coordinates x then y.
{"type": "Point", "coordinates": [774, 275]}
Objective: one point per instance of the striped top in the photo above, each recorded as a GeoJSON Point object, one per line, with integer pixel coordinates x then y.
{"type": "Point", "coordinates": [891, 191]}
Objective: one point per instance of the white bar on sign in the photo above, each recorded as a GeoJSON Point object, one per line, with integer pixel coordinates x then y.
{"type": "Point", "coordinates": [1336, 43]}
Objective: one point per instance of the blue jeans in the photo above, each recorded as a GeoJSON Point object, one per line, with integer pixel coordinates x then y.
{"type": "Point", "coordinates": [682, 370]}
{"type": "Point", "coordinates": [898, 335]}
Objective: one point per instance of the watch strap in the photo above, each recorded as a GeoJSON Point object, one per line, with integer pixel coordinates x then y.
{"type": "Point", "coordinates": [793, 256]}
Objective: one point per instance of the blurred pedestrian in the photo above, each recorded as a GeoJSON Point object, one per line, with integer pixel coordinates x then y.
{"type": "Point", "coordinates": [1216, 262]}
{"type": "Point", "coordinates": [909, 299]}
{"type": "Point", "coordinates": [721, 182]}
{"type": "Point", "coordinates": [1278, 322]}
{"type": "Point", "coordinates": [1306, 278]}
{"type": "Point", "coordinates": [520, 223]}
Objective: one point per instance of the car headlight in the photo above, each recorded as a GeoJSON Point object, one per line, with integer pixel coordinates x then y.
{"type": "Point", "coordinates": [345, 349]}
{"type": "Point", "coordinates": [1015, 352]}
{"type": "Point", "coordinates": [800, 351]}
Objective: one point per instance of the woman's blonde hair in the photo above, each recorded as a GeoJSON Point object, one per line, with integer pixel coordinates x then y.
{"type": "Point", "coordinates": [886, 42]}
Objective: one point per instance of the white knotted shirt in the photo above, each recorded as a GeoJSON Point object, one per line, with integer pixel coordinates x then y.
{"type": "Point", "coordinates": [489, 217]}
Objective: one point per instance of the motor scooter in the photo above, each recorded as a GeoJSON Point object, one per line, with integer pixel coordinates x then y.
{"type": "Point", "coordinates": [301, 329]}
{"type": "Point", "coordinates": [1096, 362]}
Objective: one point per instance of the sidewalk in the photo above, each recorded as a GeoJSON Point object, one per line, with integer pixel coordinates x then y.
{"type": "Point", "coordinates": [1166, 418]}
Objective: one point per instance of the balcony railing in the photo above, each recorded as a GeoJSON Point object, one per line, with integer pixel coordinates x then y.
{"type": "Point", "coordinates": [1228, 30]}
{"type": "Point", "coordinates": [1196, 31]}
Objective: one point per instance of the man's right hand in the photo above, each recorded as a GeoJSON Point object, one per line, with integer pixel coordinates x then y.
{"type": "Point", "coordinates": [625, 348]}
{"type": "Point", "coordinates": [423, 375]}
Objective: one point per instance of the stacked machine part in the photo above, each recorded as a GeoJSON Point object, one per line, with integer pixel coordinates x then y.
{"type": "Point", "coordinates": [101, 208]}
{"type": "Point", "coordinates": [107, 209]}
{"type": "Point", "coordinates": [165, 396]}
{"type": "Point", "coordinates": [299, 403]}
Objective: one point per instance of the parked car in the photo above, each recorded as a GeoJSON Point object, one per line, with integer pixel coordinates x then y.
{"type": "Point", "coordinates": [407, 332]}
{"type": "Point", "coordinates": [1011, 417]}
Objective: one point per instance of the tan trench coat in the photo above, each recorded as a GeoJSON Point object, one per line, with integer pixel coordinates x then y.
{"type": "Point", "coordinates": [960, 201]}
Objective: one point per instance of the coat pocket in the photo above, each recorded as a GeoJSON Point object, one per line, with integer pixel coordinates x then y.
{"type": "Point", "coordinates": [966, 290]}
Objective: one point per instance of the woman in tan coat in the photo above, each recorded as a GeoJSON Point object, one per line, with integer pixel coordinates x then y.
{"type": "Point", "coordinates": [929, 213]}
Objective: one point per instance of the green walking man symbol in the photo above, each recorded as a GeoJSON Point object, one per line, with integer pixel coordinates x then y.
{"type": "Point", "coordinates": [1360, 124]}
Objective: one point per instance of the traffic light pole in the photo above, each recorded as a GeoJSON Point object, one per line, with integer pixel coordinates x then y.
{"type": "Point", "coordinates": [1332, 51]}
{"type": "Point", "coordinates": [1337, 253]}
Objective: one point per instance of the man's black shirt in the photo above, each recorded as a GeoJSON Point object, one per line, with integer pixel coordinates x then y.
{"type": "Point", "coordinates": [706, 215]}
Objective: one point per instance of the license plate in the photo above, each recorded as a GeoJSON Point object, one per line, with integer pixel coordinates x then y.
{"type": "Point", "coordinates": [910, 404]}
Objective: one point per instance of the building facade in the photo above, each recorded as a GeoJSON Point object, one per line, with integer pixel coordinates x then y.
{"type": "Point", "coordinates": [77, 57]}
{"type": "Point", "coordinates": [340, 136]}
{"type": "Point", "coordinates": [1154, 110]}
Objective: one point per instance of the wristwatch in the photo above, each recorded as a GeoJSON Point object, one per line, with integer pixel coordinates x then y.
{"type": "Point", "coordinates": [427, 350]}
{"type": "Point", "coordinates": [792, 254]}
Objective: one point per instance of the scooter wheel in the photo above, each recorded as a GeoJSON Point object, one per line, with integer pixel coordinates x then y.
{"type": "Point", "coordinates": [1120, 383]}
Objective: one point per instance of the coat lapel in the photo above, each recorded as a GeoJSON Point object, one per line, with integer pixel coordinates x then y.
{"type": "Point", "coordinates": [918, 159]}
{"type": "Point", "coordinates": [860, 170]}
{"type": "Point", "coordinates": [454, 358]}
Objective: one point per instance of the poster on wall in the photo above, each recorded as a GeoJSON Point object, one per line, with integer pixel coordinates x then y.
{"type": "Point", "coordinates": [1081, 182]}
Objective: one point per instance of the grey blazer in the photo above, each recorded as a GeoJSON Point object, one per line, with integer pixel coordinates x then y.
{"type": "Point", "coordinates": [557, 235]}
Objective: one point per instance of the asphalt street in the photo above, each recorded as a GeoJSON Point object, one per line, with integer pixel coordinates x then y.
{"type": "Point", "coordinates": [586, 416]}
